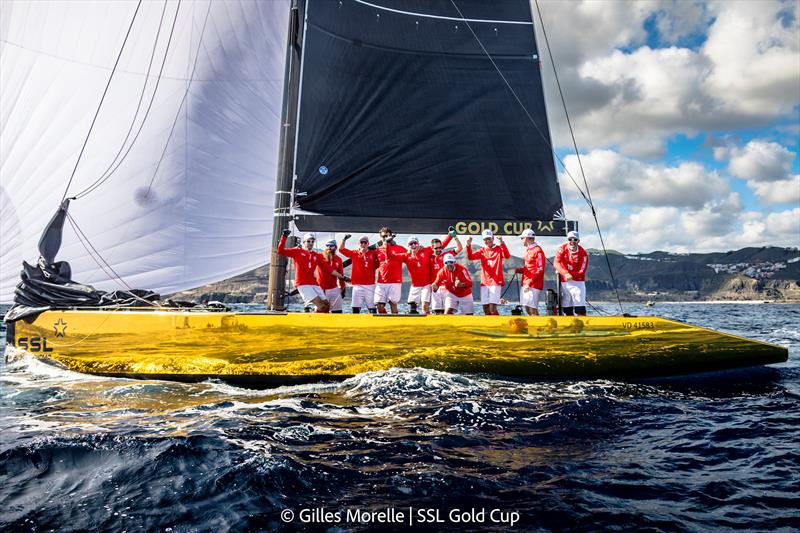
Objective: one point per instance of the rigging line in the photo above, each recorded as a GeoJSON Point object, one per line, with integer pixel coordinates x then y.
{"type": "Point", "coordinates": [578, 155]}
{"type": "Point", "coordinates": [81, 237]}
{"type": "Point", "coordinates": [141, 97]}
{"type": "Point", "coordinates": [94, 254]}
{"type": "Point", "coordinates": [107, 175]}
{"type": "Point", "coordinates": [519, 101]}
{"type": "Point", "coordinates": [102, 98]}
{"type": "Point", "coordinates": [183, 101]}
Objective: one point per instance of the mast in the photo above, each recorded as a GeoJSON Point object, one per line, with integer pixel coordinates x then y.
{"type": "Point", "coordinates": [284, 188]}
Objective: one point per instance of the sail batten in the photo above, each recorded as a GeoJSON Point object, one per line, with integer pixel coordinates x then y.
{"type": "Point", "coordinates": [404, 114]}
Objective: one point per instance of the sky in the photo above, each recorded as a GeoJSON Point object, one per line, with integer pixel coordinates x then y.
{"type": "Point", "coordinates": [687, 119]}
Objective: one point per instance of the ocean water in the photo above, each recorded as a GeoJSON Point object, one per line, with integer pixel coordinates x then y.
{"type": "Point", "coordinates": [412, 449]}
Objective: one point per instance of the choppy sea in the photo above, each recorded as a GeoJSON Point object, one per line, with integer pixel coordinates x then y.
{"type": "Point", "coordinates": [413, 449]}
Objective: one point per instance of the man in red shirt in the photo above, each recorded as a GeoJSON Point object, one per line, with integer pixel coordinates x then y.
{"type": "Point", "coordinates": [390, 272]}
{"type": "Point", "coordinates": [364, 264]}
{"type": "Point", "coordinates": [492, 280]}
{"type": "Point", "coordinates": [418, 262]}
{"type": "Point", "coordinates": [532, 273]}
{"type": "Point", "coordinates": [456, 279]}
{"type": "Point", "coordinates": [333, 287]}
{"type": "Point", "coordinates": [306, 261]}
{"type": "Point", "coordinates": [437, 262]}
{"type": "Point", "coordinates": [571, 262]}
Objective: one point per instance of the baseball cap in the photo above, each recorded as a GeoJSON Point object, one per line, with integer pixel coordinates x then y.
{"type": "Point", "coordinates": [574, 235]}
{"type": "Point", "coordinates": [487, 234]}
{"type": "Point", "coordinates": [527, 234]}
{"type": "Point", "coordinates": [309, 237]}
{"type": "Point", "coordinates": [412, 239]}
{"type": "Point", "coordinates": [449, 258]}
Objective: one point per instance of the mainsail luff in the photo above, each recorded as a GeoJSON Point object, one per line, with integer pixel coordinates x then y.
{"type": "Point", "coordinates": [284, 188]}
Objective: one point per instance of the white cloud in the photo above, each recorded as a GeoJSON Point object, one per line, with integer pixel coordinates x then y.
{"type": "Point", "coordinates": [777, 229]}
{"type": "Point", "coordinates": [745, 74]}
{"type": "Point", "coordinates": [777, 192]}
{"type": "Point", "coordinates": [621, 180]}
{"type": "Point", "coordinates": [767, 168]}
{"type": "Point", "coordinates": [718, 226]}
{"type": "Point", "coordinates": [761, 161]}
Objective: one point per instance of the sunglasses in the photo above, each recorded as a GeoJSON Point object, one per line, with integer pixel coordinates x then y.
{"type": "Point", "coordinates": [330, 246]}
{"type": "Point", "coordinates": [363, 242]}
{"type": "Point", "coordinates": [309, 240]}
{"type": "Point", "coordinates": [413, 244]}
{"type": "Point", "coordinates": [572, 240]}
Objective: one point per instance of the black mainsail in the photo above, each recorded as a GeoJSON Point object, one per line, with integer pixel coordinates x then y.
{"type": "Point", "coordinates": [407, 114]}
{"type": "Point", "coordinates": [421, 114]}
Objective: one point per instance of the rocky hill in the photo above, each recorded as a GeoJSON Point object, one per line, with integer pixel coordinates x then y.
{"type": "Point", "coordinates": [767, 273]}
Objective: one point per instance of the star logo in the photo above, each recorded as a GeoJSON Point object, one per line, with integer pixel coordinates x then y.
{"type": "Point", "coordinates": [60, 328]}
{"type": "Point", "coordinates": [545, 226]}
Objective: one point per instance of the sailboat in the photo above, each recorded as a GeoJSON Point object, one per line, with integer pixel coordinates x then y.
{"type": "Point", "coordinates": [418, 115]}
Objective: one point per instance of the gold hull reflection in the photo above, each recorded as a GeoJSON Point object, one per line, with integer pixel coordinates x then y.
{"type": "Point", "coordinates": [284, 348]}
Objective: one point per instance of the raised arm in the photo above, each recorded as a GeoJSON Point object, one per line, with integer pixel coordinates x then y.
{"type": "Point", "coordinates": [458, 247]}
{"type": "Point", "coordinates": [283, 250]}
{"type": "Point", "coordinates": [504, 248]}
{"type": "Point", "coordinates": [472, 256]}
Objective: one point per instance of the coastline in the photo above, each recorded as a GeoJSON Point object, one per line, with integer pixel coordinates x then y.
{"type": "Point", "coordinates": [712, 302]}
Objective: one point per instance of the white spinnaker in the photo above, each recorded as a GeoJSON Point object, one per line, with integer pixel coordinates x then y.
{"type": "Point", "coordinates": [208, 213]}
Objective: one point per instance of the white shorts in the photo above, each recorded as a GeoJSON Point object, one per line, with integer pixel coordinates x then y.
{"type": "Point", "coordinates": [363, 296]}
{"type": "Point", "coordinates": [419, 294]}
{"type": "Point", "coordinates": [334, 297]}
{"type": "Point", "coordinates": [309, 292]}
{"type": "Point", "coordinates": [530, 297]}
{"type": "Point", "coordinates": [387, 292]}
{"type": "Point", "coordinates": [573, 294]}
{"type": "Point", "coordinates": [463, 304]}
{"type": "Point", "coordinates": [438, 299]}
{"type": "Point", "coordinates": [490, 294]}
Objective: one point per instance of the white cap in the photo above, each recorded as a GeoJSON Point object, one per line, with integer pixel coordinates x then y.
{"type": "Point", "coordinates": [487, 234]}
{"type": "Point", "coordinates": [527, 234]}
{"type": "Point", "coordinates": [363, 238]}
{"type": "Point", "coordinates": [412, 239]}
{"type": "Point", "coordinates": [449, 258]}
{"type": "Point", "coordinates": [308, 236]}
{"type": "Point", "coordinates": [573, 234]}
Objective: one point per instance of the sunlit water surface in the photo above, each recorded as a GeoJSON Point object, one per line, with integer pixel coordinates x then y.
{"type": "Point", "coordinates": [712, 452]}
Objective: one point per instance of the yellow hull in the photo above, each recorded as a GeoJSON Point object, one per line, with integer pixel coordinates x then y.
{"type": "Point", "coordinates": [266, 349]}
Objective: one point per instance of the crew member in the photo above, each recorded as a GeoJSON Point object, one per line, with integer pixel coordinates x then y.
{"type": "Point", "coordinates": [364, 264]}
{"type": "Point", "coordinates": [306, 261]}
{"type": "Point", "coordinates": [390, 272]}
{"type": "Point", "coordinates": [532, 273]}
{"type": "Point", "coordinates": [418, 261]}
{"type": "Point", "coordinates": [456, 279]}
{"type": "Point", "coordinates": [571, 262]}
{"type": "Point", "coordinates": [437, 263]}
{"type": "Point", "coordinates": [492, 280]}
{"type": "Point", "coordinates": [333, 287]}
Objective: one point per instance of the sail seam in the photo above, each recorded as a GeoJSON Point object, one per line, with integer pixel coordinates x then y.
{"type": "Point", "coordinates": [441, 17]}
